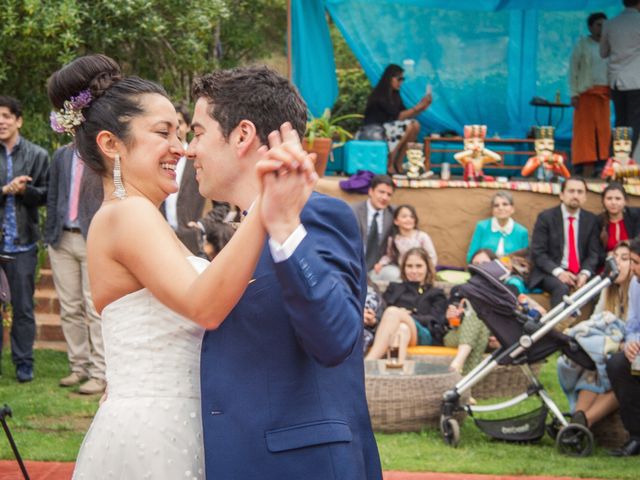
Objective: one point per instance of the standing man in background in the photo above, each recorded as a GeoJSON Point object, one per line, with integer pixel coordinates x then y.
{"type": "Point", "coordinates": [590, 97]}
{"type": "Point", "coordinates": [186, 205]}
{"type": "Point", "coordinates": [70, 208]}
{"type": "Point", "coordinates": [24, 176]}
{"type": "Point", "coordinates": [620, 43]}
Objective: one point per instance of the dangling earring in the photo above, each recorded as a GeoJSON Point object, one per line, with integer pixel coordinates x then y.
{"type": "Point", "coordinates": [119, 191]}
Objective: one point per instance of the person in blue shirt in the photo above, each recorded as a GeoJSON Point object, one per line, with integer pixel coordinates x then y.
{"type": "Point", "coordinates": [500, 233]}
{"type": "Point", "coordinates": [625, 385]}
{"type": "Point", "coordinates": [24, 179]}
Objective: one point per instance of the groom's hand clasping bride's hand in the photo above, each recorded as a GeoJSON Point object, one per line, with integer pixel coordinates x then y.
{"type": "Point", "coordinates": [287, 177]}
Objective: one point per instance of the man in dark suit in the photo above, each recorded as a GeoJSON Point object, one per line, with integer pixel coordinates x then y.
{"type": "Point", "coordinates": [75, 194]}
{"type": "Point", "coordinates": [565, 245]}
{"type": "Point", "coordinates": [282, 378]}
{"type": "Point", "coordinates": [186, 205]}
{"type": "Point", "coordinates": [376, 209]}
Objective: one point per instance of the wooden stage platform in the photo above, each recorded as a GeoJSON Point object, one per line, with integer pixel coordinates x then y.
{"type": "Point", "coordinates": [449, 214]}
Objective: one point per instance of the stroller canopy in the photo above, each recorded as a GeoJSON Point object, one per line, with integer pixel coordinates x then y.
{"type": "Point", "coordinates": [496, 305]}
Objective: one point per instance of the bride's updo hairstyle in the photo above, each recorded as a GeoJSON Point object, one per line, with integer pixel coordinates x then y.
{"type": "Point", "coordinates": [115, 100]}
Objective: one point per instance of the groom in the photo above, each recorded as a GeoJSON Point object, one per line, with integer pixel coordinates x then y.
{"type": "Point", "coordinates": [282, 378]}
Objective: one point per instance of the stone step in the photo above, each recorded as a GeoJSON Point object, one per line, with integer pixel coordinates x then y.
{"type": "Point", "coordinates": [46, 278]}
{"type": "Point", "coordinates": [50, 345]}
{"type": "Point", "coordinates": [48, 327]}
{"type": "Point", "coordinates": [46, 300]}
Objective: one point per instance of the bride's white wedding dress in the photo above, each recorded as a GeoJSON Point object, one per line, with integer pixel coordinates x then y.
{"type": "Point", "coordinates": [150, 425]}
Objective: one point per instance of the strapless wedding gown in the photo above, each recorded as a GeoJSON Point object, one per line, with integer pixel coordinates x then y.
{"type": "Point", "coordinates": [150, 425]}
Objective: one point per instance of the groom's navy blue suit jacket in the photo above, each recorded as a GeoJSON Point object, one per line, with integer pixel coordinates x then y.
{"type": "Point", "coordinates": [282, 378]}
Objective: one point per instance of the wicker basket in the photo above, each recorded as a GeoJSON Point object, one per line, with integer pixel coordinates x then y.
{"type": "Point", "coordinates": [609, 432]}
{"type": "Point", "coordinates": [504, 381]}
{"type": "Point", "coordinates": [407, 403]}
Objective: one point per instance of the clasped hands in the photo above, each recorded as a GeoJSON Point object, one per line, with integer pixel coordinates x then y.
{"type": "Point", "coordinates": [17, 185]}
{"type": "Point", "coordinates": [287, 177]}
{"type": "Point", "coordinates": [573, 280]}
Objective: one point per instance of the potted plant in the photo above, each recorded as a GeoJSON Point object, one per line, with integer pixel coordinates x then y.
{"type": "Point", "coordinates": [320, 134]}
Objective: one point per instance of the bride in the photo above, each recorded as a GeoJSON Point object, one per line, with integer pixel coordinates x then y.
{"type": "Point", "coordinates": [155, 298]}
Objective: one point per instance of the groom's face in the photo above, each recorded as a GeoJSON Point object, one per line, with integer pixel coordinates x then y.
{"type": "Point", "coordinates": [212, 155]}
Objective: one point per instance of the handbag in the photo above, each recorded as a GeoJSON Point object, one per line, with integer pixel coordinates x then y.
{"type": "Point", "coordinates": [359, 182]}
{"type": "Point", "coordinates": [372, 131]}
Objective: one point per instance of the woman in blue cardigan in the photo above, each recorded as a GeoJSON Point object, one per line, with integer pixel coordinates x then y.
{"type": "Point", "coordinates": [499, 233]}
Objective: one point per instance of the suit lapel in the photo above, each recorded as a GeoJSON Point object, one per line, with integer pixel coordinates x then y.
{"type": "Point", "coordinates": [388, 221]}
{"type": "Point", "coordinates": [190, 202]}
{"type": "Point", "coordinates": [557, 231]}
{"type": "Point", "coordinates": [583, 229]}
{"type": "Point", "coordinates": [188, 173]}
{"type": "Point", "coordinates": [362, 213]}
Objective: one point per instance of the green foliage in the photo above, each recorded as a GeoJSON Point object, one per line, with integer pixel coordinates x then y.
{"type": "Point", "coordinates": [253, 30]}
{"type": "Point", "coordinates": [353, 85]}
{"type": "Point", "coordinates": [168, 41]}
{"type": "Point", "coordinates": [327, 126]}
{"type": "Point", "coordinates": [344, 57]}
{"type": "Point", "coordinates": [48, 422]}
{"type": "Point", "coordinates": [354, 89]}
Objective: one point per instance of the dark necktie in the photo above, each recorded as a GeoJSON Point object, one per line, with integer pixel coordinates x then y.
{"type": "Point", "coordinates": [574, 261]}
{"type": "Point", "coordinates": [372, 242]}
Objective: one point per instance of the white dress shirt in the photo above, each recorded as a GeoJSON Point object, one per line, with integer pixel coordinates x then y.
{"type": "Point", "coordinates": [505, 231]}
{"type": "Point", "coordinates": [282, 252]}
{"type": "Point", "coordinates": [565, 251]}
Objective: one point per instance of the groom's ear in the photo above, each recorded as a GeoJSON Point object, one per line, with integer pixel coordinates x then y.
{"type": "Point", "coordinates": [245, 136]}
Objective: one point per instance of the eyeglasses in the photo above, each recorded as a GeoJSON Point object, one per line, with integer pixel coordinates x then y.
{"type": "Point", "coordinates": [400, 79]}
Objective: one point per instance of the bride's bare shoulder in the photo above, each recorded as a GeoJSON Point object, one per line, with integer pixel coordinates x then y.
{"type": "Point", "coordinates": [131, 210]}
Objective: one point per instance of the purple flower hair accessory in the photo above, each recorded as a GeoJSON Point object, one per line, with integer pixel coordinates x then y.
{"type": "Point", "coordinates": [70, 116]}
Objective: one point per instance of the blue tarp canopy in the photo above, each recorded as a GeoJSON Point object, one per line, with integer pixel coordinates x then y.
{"type": "Point", "coordinates": [485, 59]}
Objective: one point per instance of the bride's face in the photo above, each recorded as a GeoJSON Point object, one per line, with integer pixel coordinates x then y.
{"type": "Point", "coordinates": [150, 159]}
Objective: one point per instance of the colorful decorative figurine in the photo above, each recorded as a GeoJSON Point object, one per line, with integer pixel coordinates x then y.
{"type": "Point", "coordinates": [415, 167]}
{"type": "Point", "coordinates": [475, 156]}
{"type": "Point", "coordinates": [546, 163]}
{"type": "Point", "coordinates": [618, 166]}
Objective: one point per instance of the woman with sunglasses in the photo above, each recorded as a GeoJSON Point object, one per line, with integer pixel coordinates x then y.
{"type": "Point", "coordinates": [385, 108]}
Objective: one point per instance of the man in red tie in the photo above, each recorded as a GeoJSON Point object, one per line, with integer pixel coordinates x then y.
{"type": "Point", "coordinates": [75, 194]}
{"type": "Point", "coordinates": [565, 246]}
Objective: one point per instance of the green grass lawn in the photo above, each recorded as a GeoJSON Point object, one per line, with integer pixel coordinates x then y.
{"type": "Point", "coordinates": [49, 423]}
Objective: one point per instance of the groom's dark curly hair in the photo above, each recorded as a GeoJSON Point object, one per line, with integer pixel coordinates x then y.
{"type": "Point", "coordinates": [257, 94]}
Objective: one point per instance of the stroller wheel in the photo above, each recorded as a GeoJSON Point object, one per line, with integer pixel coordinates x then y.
{"type": "Point", "coordinates": [450, 430]}
{"type": "Point", "coordinates": [575, 440]}
{"type": "Point", "coordinates": [554, 427]}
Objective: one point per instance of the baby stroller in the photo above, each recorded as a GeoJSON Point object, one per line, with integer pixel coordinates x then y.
{"type": "Point", "coordinates": [525, 338]}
